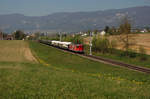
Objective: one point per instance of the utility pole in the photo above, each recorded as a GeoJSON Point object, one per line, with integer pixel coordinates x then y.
{"type": "Point", "coordinates": [47, 35]}
{"type": "Point", "coordinates": [60, 36]}
{"type": "Point", "coordinates": [90, 43]}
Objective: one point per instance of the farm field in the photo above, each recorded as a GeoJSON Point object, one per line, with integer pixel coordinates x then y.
{"type": "Point", "coordinates": [59, 74]}
{"type": "Point", "coordinates": [14, 51]}
{"type": "Point", "coordinates": [141, 40]}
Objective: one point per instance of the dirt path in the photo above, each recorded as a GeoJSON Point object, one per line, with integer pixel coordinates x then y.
{"type": "Point", "coordinates": [28, 55]}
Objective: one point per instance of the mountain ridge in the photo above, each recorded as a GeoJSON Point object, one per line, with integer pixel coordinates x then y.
{"type": "Point", "coordinates": [75, 21]}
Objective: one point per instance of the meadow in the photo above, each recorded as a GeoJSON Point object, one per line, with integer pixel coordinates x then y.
{"type": "Point", "coordinates": [60, 75]}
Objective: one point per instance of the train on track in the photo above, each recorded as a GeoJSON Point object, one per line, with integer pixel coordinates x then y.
{"type": "Point", "coordinates": [78, 48]}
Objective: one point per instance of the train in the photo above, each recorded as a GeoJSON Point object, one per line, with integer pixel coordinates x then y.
{"type": "Point", "coordinates": [78, 48]}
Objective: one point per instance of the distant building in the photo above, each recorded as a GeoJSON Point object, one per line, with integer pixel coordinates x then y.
{"type": "Point", "coordinates": [9, 37]}
{"type": "Point", "coordinates": [144, 30]}
{"type": "Point", "coordinates": [102, 33]}
{"type": "Point", "coordinates": [84, 34]}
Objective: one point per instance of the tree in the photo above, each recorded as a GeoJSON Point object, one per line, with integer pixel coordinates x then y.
{"type": "Point", "coordinates": [95, 31]}
{"type": "Point", "coordinates": [89, 32]}
{"type": "Point", "coordinates": [142, 52]}
{"type": "Point", "coordinates": [148, 29]}
{"type": "Point", "coordinates": [126, 37]}
{"type": "Point", "coordinates": [4, 35]}
{"type": "Point", "coordinates": [37, 35]}
{"type": "Point", "coordinates": [0, 31]}
{"type": "Point", "coordinates": [77, 39]}
{"type": "Point", "coordinates": [106, 29]}
{"type": "Point", "coordinates": [113, 30]}
{"type": "Point", "coordinates": [19, 35]}
{"type": "Point", "coordinates": [1, 35]}
{"type": "Point", "coordinates": [103, 45]}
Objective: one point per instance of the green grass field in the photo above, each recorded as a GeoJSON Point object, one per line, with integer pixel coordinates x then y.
{"type": "Point", "coordinates": [60, 75]}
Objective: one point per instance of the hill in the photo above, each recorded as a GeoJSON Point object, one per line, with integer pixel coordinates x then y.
{"type": "Point", "coordinates": [75, 21]}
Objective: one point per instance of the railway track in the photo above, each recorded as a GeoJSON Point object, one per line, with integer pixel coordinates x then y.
{"type": "Point", "coordinates": [114, 62]}
{"type": "Point", "coordinates": [109, 61]}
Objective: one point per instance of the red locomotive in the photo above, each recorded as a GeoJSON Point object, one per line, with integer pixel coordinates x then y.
{"type": "Point", "coordinates": [76, 48]}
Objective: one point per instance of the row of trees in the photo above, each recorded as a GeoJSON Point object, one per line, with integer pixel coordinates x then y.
{"type": "Point", "coordinates": [17, 35]}
{"type": "Point", "coordinates": [77, 39]}
{"type": "Point", "coordinates": [117, 31]}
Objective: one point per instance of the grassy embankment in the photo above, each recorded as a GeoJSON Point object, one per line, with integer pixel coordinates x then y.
{"type": "Point", "coordinates": [135, 61]}
{"type": "Point", "coordinates": [62, 75]}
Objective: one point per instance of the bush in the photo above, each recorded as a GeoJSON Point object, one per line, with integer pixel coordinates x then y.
{"type": "Point", "coordinates": [103, 45]}
{"type": "Point", "coordinates": [130, 53]}
{"type": "Point", "coordinates": [124, 53]}
{"type": "Point", "coordinates": [112, 46]}
{"type": "Point", "coordinates": [142, 54]}
{"type": "Point", "coordinates": [143, 57]}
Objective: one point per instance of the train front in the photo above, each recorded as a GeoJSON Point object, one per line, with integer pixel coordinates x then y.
{"type": "Point", "coordinates": [76, 48]}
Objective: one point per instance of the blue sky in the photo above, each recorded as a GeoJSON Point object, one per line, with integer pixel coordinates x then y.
{"type": "Point", "coordinates": [45, 7]}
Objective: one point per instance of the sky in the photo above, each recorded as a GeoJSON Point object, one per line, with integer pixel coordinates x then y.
{"type": "Point", "coordinates": [46, 7]}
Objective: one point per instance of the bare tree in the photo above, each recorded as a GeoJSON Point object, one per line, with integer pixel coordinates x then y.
{"type": "Point", "coordinates": [1, 35]}
{"type": "Point", "coordinates": [126, 38]}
